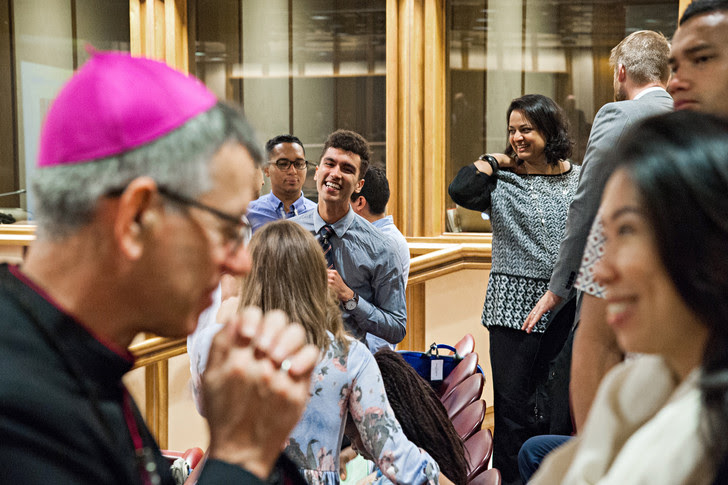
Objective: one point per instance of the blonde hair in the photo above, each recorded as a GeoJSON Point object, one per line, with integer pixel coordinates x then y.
{"type": "Point", "coordinates": [289, 274]}
{"type": "Point", "coordinates": [644, 55]}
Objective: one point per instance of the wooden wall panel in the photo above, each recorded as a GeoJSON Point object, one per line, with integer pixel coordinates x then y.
{"type": "Point", "coordinates": [159, 31]}
{"type": "Point", "coordinates": [682, 6]}
{"type": "Point", "coordinates": [416, 114]}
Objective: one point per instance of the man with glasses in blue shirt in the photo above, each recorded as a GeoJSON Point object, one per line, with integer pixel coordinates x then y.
{"type": "Point", "coordinates": [286, 169]}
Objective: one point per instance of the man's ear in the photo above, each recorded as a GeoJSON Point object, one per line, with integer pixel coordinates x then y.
{"type": "Point", "coordinates": [358, 186]}
{"type": "Point", "coordinates": [136, 215]}
{"type": "Point", "coordinates": [359, 204]}
{"type": "Point", "coordinates": [265, 170]}
{"type": "Point", "coordinates": [621, 73]}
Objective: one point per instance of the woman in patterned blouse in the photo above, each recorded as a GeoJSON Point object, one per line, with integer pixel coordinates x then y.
{"type": "Point", "coordinates": [527, 192]}
{"type": "Point", "coordinates": [289, 274]}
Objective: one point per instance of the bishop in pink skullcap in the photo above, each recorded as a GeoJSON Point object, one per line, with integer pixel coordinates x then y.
{"type": "Point", "coordinates": [115, 103]}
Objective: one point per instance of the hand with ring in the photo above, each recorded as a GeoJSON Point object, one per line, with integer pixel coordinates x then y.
{"type": "Point", "coordinates": [256, 387]}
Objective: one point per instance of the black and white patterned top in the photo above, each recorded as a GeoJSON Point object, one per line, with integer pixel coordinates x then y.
{"type": "Point", "coordinates": [528, 216]}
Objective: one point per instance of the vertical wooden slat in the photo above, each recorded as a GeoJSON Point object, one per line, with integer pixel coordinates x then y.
{"type": "Point", "coordinates": [150, 399]}
{"type": "Point", "coordinates": [415, 337]}
{"type": "Point", "coordinates": [158, 30]}
{"type": "Point", "coordinates": [416, 109]}
{"type": "Point", "coordinates": [175, 34]}
{"type": "Point", "coordinates": [435, 108]}
{"type": "Point", "coordinates": [682, 6]}
{"type": "Point", "coordinates": [392, 107]}
{"type": "Point", "coordinates": [156, 411]}
{"type": "Point", "coordinates": [135, 28]}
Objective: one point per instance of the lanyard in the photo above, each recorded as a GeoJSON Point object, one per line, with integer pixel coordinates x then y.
{"type": "Point", "coordinates": [144, 456]}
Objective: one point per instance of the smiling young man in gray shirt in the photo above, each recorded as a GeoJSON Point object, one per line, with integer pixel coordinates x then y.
{"type": "Point", "coordinates": [366, 275]}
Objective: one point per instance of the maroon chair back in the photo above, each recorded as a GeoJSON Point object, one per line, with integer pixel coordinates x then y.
{"type": "Point", "coordinates": [464, 393]}
{"type": "Point", "coordinates": [462, 371]}
{"type": "Point", "coordinates": [470, 419]}
{"type": "Point", "coordinates": [466, 345]}
{"type": "Point", "coordinates": [192, 456]}
{"type": "Point", "coordinates": [487, 477]}
{"type": "Point", "coordinates": [479, 448]}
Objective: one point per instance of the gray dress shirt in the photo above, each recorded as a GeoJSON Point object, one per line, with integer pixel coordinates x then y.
{"type": "Point", "coordinates": [369, 265]}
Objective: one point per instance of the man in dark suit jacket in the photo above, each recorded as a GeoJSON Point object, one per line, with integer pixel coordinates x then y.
{"type": "Point", "coordinates": [641, 73]}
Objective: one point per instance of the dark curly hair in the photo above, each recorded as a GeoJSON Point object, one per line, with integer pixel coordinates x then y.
{"type": "Point", "coordinates": [350, 141]}
{"type": "Point", "coordinates": [549, 119]}
{"type": "Point", "coordinates": [423, 418]}
{"type": "Point", "coordinates": [680, 160]}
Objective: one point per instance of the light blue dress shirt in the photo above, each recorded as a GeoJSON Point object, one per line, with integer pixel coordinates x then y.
{"type": "Point", "coordinates": [386, 225]}
{"type": "Point", "coordinates": [268, 208]}
{"type": "Point", "coordinates": [370, 265]}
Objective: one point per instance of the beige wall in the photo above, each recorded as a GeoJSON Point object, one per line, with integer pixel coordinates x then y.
{"type": "Point", "coordinates": [454, 303]}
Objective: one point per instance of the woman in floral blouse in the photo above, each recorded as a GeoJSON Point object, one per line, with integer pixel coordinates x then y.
{"type": "Point", "coordinates": [289, 274]}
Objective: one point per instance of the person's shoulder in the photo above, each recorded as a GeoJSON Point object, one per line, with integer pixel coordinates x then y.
{"type": "Point", "coordinates": [374, 234]}
{"type": "Point", "coordinates": [259, 202]}
{"type": "Point", "coordinates": [359, 353]}
{"type": "Point", "coordinates": [624, 113]}
{"type": "Point", "coordinates": [308, 204]}
{"type": "Point", "coordinates": [574, 169]}
{"type": "Point", "coordinates": [305, 219]}
{"type": "Point", "coordinates": [638, 371]}
{"type": "Point", "coordinates": [364, 228]}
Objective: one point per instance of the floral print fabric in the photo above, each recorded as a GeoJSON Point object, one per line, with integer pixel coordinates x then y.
{"type": "Point", "coordinates": [351, 382]}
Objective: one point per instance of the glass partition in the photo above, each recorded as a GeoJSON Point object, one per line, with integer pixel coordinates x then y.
{"type": "Point", "coordinates": [41, 43]}
{"type": "Point", "coordinates": [306, 67]}
{"type": "Point", "coordinates": [501, 49]}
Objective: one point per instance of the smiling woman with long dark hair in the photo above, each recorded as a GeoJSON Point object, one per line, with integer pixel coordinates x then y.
{"type": "Point", "coordinates": [663, 417]}
{"type": "Point", "coordinates": [527, 192]}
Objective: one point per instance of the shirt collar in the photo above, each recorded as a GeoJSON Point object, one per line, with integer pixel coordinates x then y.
{"type": "Point", "coordinates": [340, 227]}
{"type": "Point", "coordinates": [277, 204]}
{"type": "Point", "coordinates": [648, 90]}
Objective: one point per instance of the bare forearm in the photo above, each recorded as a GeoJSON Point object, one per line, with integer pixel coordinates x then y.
{"type": "Point", "coordinates": [595, 352]}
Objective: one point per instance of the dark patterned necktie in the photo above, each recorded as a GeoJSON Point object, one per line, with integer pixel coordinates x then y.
{"type": "Point", "coordinates": [326, 233]}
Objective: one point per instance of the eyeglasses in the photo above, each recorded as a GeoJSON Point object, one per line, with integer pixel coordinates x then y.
{"type": "Point", "coordinates": [285, 164]}
{"type": "Point", "coordinates": [240, 230]}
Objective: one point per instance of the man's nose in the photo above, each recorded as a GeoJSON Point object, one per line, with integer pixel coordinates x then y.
{"type": "Point", "coordinates": [676, 83]}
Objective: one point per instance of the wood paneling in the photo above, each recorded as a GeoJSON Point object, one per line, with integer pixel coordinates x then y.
{"type": "Point", "coordinates": [159, 31]}
{"type": "Point", "coordinates": [416, 128]}
{"type": "Point", "coordinates": [683, 5]}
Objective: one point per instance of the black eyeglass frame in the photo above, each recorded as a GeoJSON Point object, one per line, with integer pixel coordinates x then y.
{"type": "Point", "coordinates": [244, 232]}
{"type": "Point", "coordinates": [288, 163]}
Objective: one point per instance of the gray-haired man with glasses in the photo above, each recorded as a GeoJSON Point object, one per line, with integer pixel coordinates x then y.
{"type": "Point", "coordinates": [142, 184]}
{"type": "Point", "coordinates": [286, 169]}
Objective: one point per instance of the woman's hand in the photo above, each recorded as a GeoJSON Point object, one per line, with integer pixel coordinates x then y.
{"type": "Point", "coordinates": [548, 302]}
{"type": "Point", "coordinates": [346, 455]}
{"type": "Point", "coordinates": [504, 161]}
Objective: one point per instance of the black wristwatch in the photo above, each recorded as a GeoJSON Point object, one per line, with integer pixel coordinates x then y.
{"type": "Point", "coordinates": [490, 159]}
{"type": "Point", "coordinates": [351, 304]}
